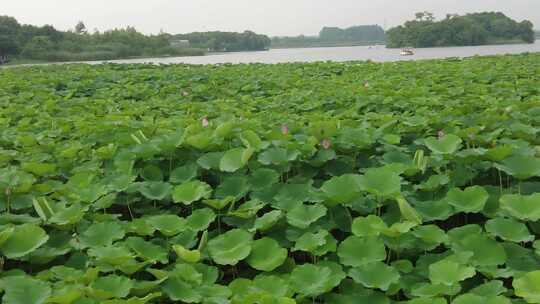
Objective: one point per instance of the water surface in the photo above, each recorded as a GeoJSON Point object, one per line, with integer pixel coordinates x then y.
{"type": "Point", "coordinates": [376, 53]}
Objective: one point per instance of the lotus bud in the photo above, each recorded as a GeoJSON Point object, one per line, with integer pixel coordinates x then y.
{"type": "Point", "coordinates": [8, 191]}
{"type": "Point", "coordinates": [185, 93]}
{"type": "Point", "coordinates": [440, 134]}
{"type": "Point", "coordinates": [366, 84]}
{"type": "Point", "coordinates": [326, 144]}
{"type": "Point", "coordinates": [204, 122]}
{"type": "Point", "coordinates": [284, 130]}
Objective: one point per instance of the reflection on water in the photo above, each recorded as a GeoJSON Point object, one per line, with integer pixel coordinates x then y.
{"type": "Point", "coordinates": [376, 53]}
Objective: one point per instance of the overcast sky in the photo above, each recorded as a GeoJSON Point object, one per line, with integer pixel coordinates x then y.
{"type": "Point", "coordinates": [271, 17]}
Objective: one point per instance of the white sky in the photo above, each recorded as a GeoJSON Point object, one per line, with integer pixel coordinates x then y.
{"type": "Point", "coordinates": [271, 17]}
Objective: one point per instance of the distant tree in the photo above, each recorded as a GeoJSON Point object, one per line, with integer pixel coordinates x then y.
{"type": "Point", "coordinates": [80, 28]}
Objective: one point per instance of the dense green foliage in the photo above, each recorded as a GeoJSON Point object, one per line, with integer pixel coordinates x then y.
{"type": "Point", "coordinates": [227, 41]}
{"type": "Point", "coordinates": [340, 183]}
{"type": "Point", "coordinates": [48, 44]}
{"type": "Point", "coordinates": [332, 36]}
{"type": "Point", "coordinates": [455, 30]}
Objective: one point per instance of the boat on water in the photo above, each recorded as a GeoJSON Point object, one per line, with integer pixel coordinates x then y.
{"type": "Point", "coordinates": [407, 52]}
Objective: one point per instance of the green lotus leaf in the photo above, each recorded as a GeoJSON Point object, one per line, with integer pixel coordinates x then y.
{"type": "Point", "coordinates": [470, 200]}
{"type": "Point", "coordinates": [434, 210]}
{"type": "Point", "coordinates": [263, 177]}
{"type": "Point", "coordinates": [509, 230]}
{"type": "Point", "coordinates": [24, 290]}
{"type": "Point", "coordinates": [486, 251]}
{"type": "Point", "coordinates": [168, 224]}
{"type": "Point", "coordinates": [67, 294]}
{"type": "Point", "coordinates": [248, 209]}
{"type": "Point", "coordinates": [268, 220]}
{"type": "Point", "coordinates": [311, 280]}
{"type": "Point", "coordinates": [528, 287]}
{"type": "Point", "coordinates": [272, 284]}
{"type": "Point", "coordinates": [190, 192]}
{"type": "Point", "coordinates": [152, 173]}
{"type": "Point", "coordinates": [23, 240]}
{"type": "Point", "coordinates": [520, 167]}
{"type": "Point", "coordinates": [399, 228]}
{"type": "Point", "coordinates": [183, 174]}
{"type": "Point", "coordinates": [219, 203]}
{"type": "Point", "coordinates": [266, 254]}
{"type": "Point", "coordinates": [230, 247]}
{"type": "Point", "coordinates": [200, 219]}
{"type": "Point", "coordinates": [371, 225]}
{"type": "Point", "coordinates": [432, 235]}
{"type": "Point", "coordinates": [190, 256]}
{"type": "Point", "coordinates": [251, 140]}
{"type": "Point", "coordinates": [147, 251]}
{"type": "Point", "coordinates": [310, 241]}
{"type": "Point", "coordinates": [490, 289]}
{"type": "Point", "coordinates": [375, 275]}
{"type": "Point", "coordinates": [337, 273]}
{"type": "Point", "coordinates": [111, 286]}
{"type": "Point", "coordinates": [200, 141]}
{"type": "Point", "coordinates": [523, 207]}
{"type": "Point", "coordinates": [433, 290]}
{"type": "Point", "coordinates": [102, 234]}
{"type": "Point", "coordinates": [470, 298]}
{"type": "Point", "coordinates": [188, 273]}
{"type": "Point", "coordinates": [39, 169]}
{"type": "Point", "coordinates": [277, 156]}
{"type": "Point", "coordinates": [448, 272]}
{"type": "Point", "coordinates": [381, 182]}
{"type": "Point", "coordinates": [155, 190]}
{"type": "Point", "coordinates": [342, 189]}
{"type": "Point", "coordinates": [407, 211]}
{"type": "Point", "coordinates": [235, 186]}
{"type": "Point", "coordinates": [356, 251]}
{"type": "Point", "coordinates": [5, 233]}
{"type": "Point", "coordinates": [446, 145]}
{"type": "Point", "coordinates": [427, 301]}
{"type": "Point", "coordinates": [235, 159]}
{"type": "Point", "coordinates": [210, 160]}
{"type": "Point", "coordinates": [304, 215]}
{"type": "Point", "coordinates": [115, 256]}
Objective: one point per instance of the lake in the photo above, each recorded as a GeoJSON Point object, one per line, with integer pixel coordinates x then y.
{"type": "Point", "coordinates": [376, 53]}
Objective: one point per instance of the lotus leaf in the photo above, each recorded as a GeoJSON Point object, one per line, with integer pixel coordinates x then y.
{"type": "Point", "coordinates": [528, 287]}
{"type": "Point", "coordinates": [168, 224]}
{"type": "Point", "coordinates": [476, 299]}
{"type": "Point", "coordinates": [375, 275]}
{"type": "Point", "coordinates": [183, 174]}
{"type": "Point", "coordinates": [155, 190]}
{"type": "Point", "coordinates": [304, 215]}
{"type": "Point", "coordinates": [147, 250]}
{"type": "Point", "coordinates": [266, 254]}
{"type": "Point", "coordinates": [235, 159]}
{"type": "Point", "coordinates": [24, 290]}
{"type": "Point", "coordinates": [23, 240]}
{"type": "Point", "coordinates": [268, 220]}
{"type": "Point", "coordinates": [230, 247]}
{"type": "Point", "coordinates": [357, 251]}
{"type": "Point", "coordinates": [448, 272]}
{"type": "Point", "coordinates": [190, 192]}
{"type": "Point", "coordinates": [470, 200]}
{"type": "Point", "coordinates": [509, 230]}
{"type": "Point", "coordinates": [523, 207]}
{"type": "Point", "coordinates": [445, 145]}
{"type": "Point", "coordinates": [381, 182]}
{"type": "Point", "coordinates": [311, 280]}
{"type": "Point", "coordinates": [263, 177]}
{"type": "Point", "coordinates": [342, 189]}
{"type": "Point", "coordinates": [200, 219]}
{"type": "Point", "coordinates": [521, 167]}
{"type": "Point", "coordinates": [371, 225]}
{"type": "Point", "coordinates": [111, 286]}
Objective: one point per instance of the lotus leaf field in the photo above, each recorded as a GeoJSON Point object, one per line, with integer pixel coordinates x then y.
{"type": "Point", "coordinates": [341, 183]}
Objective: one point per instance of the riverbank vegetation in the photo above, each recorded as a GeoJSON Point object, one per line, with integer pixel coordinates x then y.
{"type": "Point", "coordinates": [333, 36]}
{"type": "Point", "coordinates": [360, 182]}
{"type": "Point", "coordinates": [455, 30]}
{"type": "Point", "coordinates": [47, 44]}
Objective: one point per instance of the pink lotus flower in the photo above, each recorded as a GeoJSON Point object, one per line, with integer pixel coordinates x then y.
{"type": "Point", "coordinates": [440, 134]}
{"type": "Point", "coordinates": [326, 144]}
{"type": "Point", "coordinates": [284, 130]}
{"type": "Point", "coordinates": [205, 123]}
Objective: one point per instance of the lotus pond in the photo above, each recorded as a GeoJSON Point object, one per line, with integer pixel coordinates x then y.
{"type": "Point", "coordinates": [340, 183]}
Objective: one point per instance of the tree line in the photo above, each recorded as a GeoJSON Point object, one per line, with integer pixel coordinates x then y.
{"type": "Point", "coordinates": [355, 35]}
{"type": "Point", "coordinates": [226, 41]}
{"type": "Point", "coordinates": [456, 30]}
{"type": "Point", "coordinates": [45, 43]}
